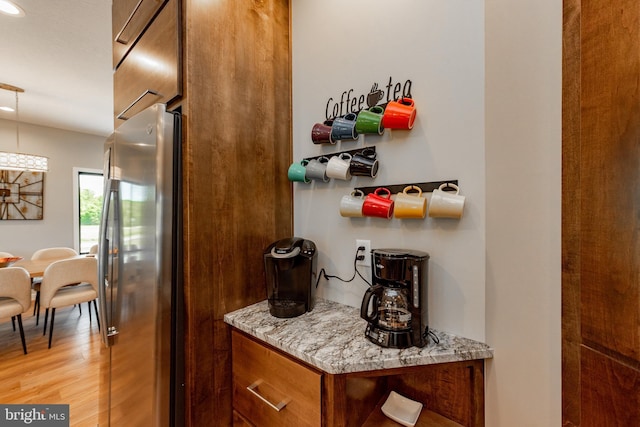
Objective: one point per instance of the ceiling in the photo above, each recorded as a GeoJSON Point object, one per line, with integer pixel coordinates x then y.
{"type": "Point", "coordinates": [60, 54]}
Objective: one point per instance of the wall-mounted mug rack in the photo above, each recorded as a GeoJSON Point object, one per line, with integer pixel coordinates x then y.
{"type": "Point", "coordinates": [371, 149]}
{"type": "Point", "coordinates": [426, 187]}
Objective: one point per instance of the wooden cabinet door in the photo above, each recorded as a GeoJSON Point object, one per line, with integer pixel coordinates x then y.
{"type": "Point", "coordinates": [601, 213]}
{"type": "Point", "coordinates": [129, 19]}
{"type": "Point", "coordinates": [151, 71]}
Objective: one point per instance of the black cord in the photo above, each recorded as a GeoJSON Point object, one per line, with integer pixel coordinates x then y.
{"type": "Point", "coordinates": [429, 333]}
{"type": "Point", "coordinates": [324, 274]}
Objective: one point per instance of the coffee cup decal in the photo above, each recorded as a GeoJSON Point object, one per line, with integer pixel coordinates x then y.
{"type": "Point", "coordinates": [374, 96]}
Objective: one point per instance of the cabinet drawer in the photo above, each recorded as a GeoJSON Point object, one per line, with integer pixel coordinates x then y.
{"type": "Point", "coordinates": [130, 18]}
{"type": "Point", "coordinates": [151, 72]}
{"type": "Point", "coordinates": [270, 389]}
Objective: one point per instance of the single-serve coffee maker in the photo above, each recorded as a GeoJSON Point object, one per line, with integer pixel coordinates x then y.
{"type": "Point", "coordinates": [396, 304]}
{"type": "Point", "coordinates": [290, 267]}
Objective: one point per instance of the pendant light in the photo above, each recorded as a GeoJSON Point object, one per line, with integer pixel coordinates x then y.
{"type": "Point", "coordinates": [19, 161]}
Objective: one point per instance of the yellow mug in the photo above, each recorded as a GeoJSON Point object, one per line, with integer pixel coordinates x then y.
{"type": "Point", "coordinates": [410, 205]}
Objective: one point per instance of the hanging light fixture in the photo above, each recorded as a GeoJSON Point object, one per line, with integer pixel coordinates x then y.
{"type": "Point", "coordinates": [19, 161]}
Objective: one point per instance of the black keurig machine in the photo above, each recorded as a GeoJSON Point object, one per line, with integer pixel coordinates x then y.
{"type": "Point", "coordinates": [290, 267]}
{"type": "Point", "coordinates": [396, 304]}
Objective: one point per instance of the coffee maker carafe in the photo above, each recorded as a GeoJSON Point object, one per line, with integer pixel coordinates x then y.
{"type": "Point", "coordinates": [395, 306]}
{"type": "Point", "coordinates": [290, 267]}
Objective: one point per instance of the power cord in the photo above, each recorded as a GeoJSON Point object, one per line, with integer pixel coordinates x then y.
{"type": "Point", "coordinates": [356, 258]}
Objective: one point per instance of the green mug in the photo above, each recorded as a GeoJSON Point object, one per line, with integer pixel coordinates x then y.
{"type": "Point", "coordinates": [298, 172]}
{"type": "Point", "coordinates": [370, 121]}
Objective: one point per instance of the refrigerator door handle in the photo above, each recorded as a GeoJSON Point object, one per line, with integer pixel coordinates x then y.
{"type": "Point", "coordinates": [106, 258]}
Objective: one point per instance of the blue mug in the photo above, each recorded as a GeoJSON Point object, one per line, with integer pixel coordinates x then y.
{"type": "Point", "coordinates": [344, 128]}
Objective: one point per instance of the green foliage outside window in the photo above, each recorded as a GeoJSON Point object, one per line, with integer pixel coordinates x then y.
{"type": "Point", "coordinates": [90, 207]}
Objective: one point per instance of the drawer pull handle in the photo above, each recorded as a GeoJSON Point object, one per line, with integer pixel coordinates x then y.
{"type": "Point", "coordinates": [121, 116]}
{"type": "Point", "coordinates": [119, 38]}
{"type": "Point", "coordinates": [252, 388]}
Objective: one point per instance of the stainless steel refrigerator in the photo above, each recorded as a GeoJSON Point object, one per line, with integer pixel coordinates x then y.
{"type": "Point", "coordinates": [140, 278]}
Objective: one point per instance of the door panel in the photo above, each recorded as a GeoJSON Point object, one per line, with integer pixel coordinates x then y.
{"type": "Point", "coordinates": [601, 213]}
{"type": "Point", "coordinates": [609, 392]}
{"type": "Point", "coordinates": [610, 148]}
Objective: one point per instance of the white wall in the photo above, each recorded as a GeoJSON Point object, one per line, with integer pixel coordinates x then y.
{"type": "Point", "coordinates": [439, 46]}
{"type": "Point", "coordinates": [503, 288]}
{"type": "Point", "coordinates": [65, 150]}
{"type": "Point", "coordinates": [523, 164]}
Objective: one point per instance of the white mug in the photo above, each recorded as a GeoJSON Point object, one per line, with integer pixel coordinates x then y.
{"type": "Point", "coordinates": [338, 167]}
{"type": "Point", "coordinates": [351, 205]}
{"type": "Point", "coordinates": [444, 204]}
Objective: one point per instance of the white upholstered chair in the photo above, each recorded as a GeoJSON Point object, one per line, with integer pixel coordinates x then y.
{"type": "Point", "coordinates": [56, 253]}
{"type": "Point", "coordinates": [55, 292]}
{"type": "Point", "coordinates": [15, 296]}
{"type": "Point", "coordinates": [6, 255]}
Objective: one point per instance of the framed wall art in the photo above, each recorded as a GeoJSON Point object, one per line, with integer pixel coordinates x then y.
{"type": "Point", "coordinates": [21, 194]}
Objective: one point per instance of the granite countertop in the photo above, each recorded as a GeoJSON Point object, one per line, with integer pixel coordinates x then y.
{"type": "Point", "coordinates": [331, 338]}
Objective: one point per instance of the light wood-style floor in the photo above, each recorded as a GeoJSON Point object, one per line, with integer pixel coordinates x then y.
{"type": "Point", "coordinates": [68, 373]}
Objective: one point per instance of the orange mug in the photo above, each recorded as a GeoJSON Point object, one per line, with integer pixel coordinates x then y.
{"type": "Point", "coordinates": [378, 204]}
{"type": "Point", "coordinates": [400, 114]}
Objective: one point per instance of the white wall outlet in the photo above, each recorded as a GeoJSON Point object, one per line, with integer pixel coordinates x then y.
{"type": "Point", "coordinates": [366, 261]}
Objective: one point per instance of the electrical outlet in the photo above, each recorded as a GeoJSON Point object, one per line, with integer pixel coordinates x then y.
{"type": "Point", "coordinates": [366, 261]}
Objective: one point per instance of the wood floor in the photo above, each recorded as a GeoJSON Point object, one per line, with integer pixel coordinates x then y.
{"type": "Point", "coordinates": [68, 373]}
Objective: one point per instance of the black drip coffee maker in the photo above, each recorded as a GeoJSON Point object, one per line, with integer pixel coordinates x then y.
{"type": "Point", "coordinates": [396, 304]}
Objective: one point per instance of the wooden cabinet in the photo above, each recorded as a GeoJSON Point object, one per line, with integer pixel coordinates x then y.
{"type": "Point", "coordinates": [265, 383]}
{"type": "Point", "coordinates": [226, 65]}
{"type": "Point", "coordinates": [151, 71]}
{"type": "Point", "coordinates": [129, 19]}
{"type": "Point", "coordinates": [452, 393]}
{"type": "Point", "coordinates": [600, 221]}
{"type": "Point", "coordinates": [237, 149]}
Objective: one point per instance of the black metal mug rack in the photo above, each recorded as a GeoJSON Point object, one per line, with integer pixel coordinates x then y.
{"type": "Point", "coordinates": [426, 187]}
{"type": "Point", "coordinates": [351, 152]}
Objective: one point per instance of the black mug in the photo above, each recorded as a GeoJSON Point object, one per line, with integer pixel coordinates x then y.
{"type": "Point", "coordinates": [364, 163]}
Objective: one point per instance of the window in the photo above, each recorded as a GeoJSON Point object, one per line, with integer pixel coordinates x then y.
{"type": "Point", "coordinates": [88, 186]}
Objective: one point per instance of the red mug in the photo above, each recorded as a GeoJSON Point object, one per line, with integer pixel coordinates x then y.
{"type": "Point", "coordinates": [399, 114]}
{"type": "Point", "coordinates": [378, 204]}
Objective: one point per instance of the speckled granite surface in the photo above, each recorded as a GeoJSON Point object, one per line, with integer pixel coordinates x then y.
{"type": "Point", "coordinates": [331, 338]}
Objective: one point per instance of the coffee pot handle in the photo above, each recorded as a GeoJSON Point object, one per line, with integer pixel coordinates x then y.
{"type": "Point", "coordinates": [371, 292]}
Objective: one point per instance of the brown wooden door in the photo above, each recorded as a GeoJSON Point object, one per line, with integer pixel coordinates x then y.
{"type": "Point", "coordinates": [601, 213]}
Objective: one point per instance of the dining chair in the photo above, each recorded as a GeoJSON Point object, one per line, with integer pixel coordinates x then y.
{"type": "Point", "coordinates": [55, 292]}
{"type": "Point", "coordinates": [15, 296]}
{"type": "Point", "coordinates": [55, 253]}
